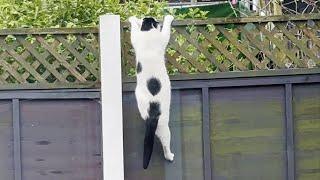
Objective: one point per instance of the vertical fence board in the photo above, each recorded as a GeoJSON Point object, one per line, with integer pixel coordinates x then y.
{"type": "Point", "coordinates": [306, 116]}
{"type": "Point", "coordinates": [247, 138]}
{"type": "Point", "coordinates": [176, 142]}
{"type": "Point", "coordinates": [16, 139]}
{"type": "Point", "coordinates": [7, 164]}
{"type": "Point", "coordinates": [289, 133]}
{"type": "Point", "coordinates": [206, 134]}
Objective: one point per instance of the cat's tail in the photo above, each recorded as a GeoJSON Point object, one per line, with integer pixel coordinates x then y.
{"type": "Point", "coordinates": [151, 127]}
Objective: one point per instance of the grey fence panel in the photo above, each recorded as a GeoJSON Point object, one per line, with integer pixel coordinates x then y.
{"type": "Point", "coordinates": [186, 128]}
{"type": "Point", "coordinates": [226, 128]}
{"type": "Point", "coordinates": [60, 139]}
{"type": "Point", "coordinates": [6, 141]}
{"type": "Point", "coordinates": [247, 133]}
{"type": "Point", "coordinates": [240, 128]}
{"type": "Point", "coordinates": [46, 135]}
{"type": "Point", "coordinates": [306, 116]}
{"type": "Point", "coordinates": [133, 145]}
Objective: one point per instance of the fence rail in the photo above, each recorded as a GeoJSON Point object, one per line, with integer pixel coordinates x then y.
{"type": "Point", "coordinates": [69, 57]}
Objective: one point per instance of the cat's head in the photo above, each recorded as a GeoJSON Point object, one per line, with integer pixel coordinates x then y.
{"type": "Point", "coordinates": [144, 31]}
{"type": "Point", "coordinates": [149, 23]}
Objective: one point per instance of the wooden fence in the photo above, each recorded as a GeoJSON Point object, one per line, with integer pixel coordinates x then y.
{"type": "Point", "coordinates": [50, 134]}
{"type": "Point", "coordinates": [244, 128]}
{"type": "Point", "coordinates": [215, 132]}
{"type": "Point", "coordinates": [48, 58]}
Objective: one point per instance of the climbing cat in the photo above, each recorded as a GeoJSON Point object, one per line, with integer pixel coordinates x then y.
{"type": "Point", "coordinates": [153, 90]}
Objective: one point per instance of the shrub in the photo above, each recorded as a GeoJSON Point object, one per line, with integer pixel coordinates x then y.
{"type": "Point", "coordinates": [77, 13]}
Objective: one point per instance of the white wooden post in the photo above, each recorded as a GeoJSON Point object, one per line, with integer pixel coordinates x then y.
{"type": "Point", "coordinates": [111, 95]}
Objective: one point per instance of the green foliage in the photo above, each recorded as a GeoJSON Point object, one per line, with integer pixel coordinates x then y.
{"type": "Point", "coordinates": [80, 13]}
{"type": "Point", "coordinates": [85, 13]}
{"type": "Point", "coordinates": [71, 13]}
{"type": "Point", "coordinates": [192, 13]}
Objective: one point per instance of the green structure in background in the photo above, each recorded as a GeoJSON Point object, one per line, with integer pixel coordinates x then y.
{"type": "Point", "coordinates": [215, 10]}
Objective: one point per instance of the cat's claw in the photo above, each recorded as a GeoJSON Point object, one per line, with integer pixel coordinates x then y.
{"type": "Point", "coordinates": [169, 157]}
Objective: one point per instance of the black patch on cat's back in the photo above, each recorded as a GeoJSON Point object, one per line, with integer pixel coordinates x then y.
{"type": "Point", "coordinates": [139, 67]}
{"type": "Point", "coordinates": [149, 23]}
{"type": "Point", "coordinates": [154, 86]}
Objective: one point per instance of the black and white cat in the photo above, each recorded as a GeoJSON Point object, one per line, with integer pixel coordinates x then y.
{"type": "Point", "coordinates": [153, 91]}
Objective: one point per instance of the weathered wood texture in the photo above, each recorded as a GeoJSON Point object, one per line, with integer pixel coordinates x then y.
{"type": "Point", "coordinates": [223, 45]}
{"type": "Point", "coordinates": [186, 128]}
{"type": "Point", "coordinates": [247, 134]}
{"type": "Point", "coordinates": [250, 130]}
{"type": "Point", "coordinates": [60, 139]}
{"type": "Point", "coordinates": [50, 135]}
{"type": "Point", "coordinates": [6, 141]}
{"type": "Point", "coordinates": [306, 116]}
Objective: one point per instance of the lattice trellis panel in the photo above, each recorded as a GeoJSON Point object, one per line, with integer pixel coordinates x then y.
{"type": "Point", "coordinates": [213, 46]}
{"type": "Point", "coordinates": [49, 59]}
{"type": "Point", "coordinates": [70, 57]}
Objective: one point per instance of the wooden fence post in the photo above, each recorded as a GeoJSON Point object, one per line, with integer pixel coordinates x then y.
{"type": "Point", "coordinates": [111, 95]}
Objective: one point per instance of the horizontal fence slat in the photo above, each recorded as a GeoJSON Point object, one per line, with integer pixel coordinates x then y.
{"type": "Point", "coordinates": [23, 31]}
{"type": "Point", "coordinates": [235, 82]}
{"type": "Point", "coordinates": [49, 95]}
{"type": "Point", "coordinates": [55, 85]}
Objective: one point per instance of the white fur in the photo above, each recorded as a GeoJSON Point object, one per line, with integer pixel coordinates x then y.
{"type": "Point", "coordinates": [150, 47]}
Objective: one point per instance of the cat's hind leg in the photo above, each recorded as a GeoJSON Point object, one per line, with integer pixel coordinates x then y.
{"type": "Point", "coordinates": [163, 133]}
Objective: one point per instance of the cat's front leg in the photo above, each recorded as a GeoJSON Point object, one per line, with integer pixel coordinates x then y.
{"type": "Point", "coordinates": [166, 28]}
{"type": "Point", "coordinates": [135, 24]}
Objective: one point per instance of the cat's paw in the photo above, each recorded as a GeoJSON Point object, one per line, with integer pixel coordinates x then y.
{"type": "Point", "coordinates": [168, 18]}
{"type": "Point", "coordinates": [133, 19]}
{"type": "Point", "coordinates": [169, 157]}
